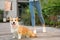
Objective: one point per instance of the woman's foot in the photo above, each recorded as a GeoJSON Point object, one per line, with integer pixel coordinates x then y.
{"type": "Point", "coordinates": [34, 30]}
{"type": "Point", "coordinates": [44, 28]}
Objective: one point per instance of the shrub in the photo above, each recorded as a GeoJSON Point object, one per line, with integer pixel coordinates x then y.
{"type": "Point", "coordinates": [50, 16]}
{"type": "Point", "coordinates": [1, 15]}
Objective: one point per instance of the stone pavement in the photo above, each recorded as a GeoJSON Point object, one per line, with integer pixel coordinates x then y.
{"type": "Point", "coordinates": [51, 34]}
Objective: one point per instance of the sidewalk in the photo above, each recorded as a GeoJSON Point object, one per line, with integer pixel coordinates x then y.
{"type": "Point", "coordinates": [51, 34]}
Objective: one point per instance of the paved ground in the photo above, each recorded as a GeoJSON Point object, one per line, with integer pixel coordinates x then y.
{"type": "Point", "coordinates": [51, 34]}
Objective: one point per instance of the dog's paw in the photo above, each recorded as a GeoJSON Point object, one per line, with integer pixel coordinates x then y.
{"type": "Point", "coordinates": [19, 37]}
{"type": "Point", "coordinates": [13, 37]}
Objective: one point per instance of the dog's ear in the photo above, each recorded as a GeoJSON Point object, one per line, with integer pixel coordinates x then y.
{"type": "Point", "coordinates": [17, 18]}
{"type": "Point", "coordinates": [9, 18]}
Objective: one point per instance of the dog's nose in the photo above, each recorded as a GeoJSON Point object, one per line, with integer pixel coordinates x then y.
{"type": "Point", "coordinates": [13, 22]}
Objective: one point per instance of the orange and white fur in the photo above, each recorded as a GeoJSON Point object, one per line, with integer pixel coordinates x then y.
{"type": "Point", "coordinates": [19, 29]}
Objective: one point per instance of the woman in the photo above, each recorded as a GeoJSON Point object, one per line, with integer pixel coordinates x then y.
{"type": "Point", "coordinates": [37, 5]}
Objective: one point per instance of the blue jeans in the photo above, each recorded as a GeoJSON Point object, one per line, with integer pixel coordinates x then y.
{"type": "Point", "coordinates": [39, 10]}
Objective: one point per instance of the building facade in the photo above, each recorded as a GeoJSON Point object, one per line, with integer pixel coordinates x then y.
{"type": "Point", "coordinates": [16, 7]}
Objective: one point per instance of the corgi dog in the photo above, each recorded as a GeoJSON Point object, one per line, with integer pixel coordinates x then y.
{"type": "Point", "coordinates": [13, 25]}
{"type": "Point", "coordinates": [20, 30]}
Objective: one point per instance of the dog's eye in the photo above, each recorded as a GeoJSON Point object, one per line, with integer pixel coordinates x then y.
{"type": "Point", "coordinates": [15, 20]}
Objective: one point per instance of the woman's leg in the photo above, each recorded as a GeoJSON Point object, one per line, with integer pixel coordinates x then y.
{"type": "Point", "coordinates": [38, 7]}
{"type": "Point", "coordinates": [31, 7]}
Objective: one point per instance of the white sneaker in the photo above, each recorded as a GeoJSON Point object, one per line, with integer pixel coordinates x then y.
{"type": "Point", "coordinates": [35, 31]}
{"type": "Point", "coordinates": [44, 29]}
{"type": "Point", "coordinates": [4, 19]}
